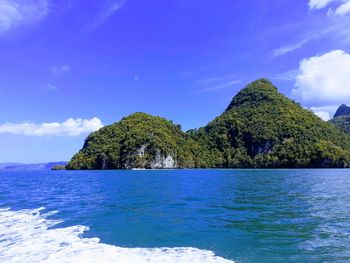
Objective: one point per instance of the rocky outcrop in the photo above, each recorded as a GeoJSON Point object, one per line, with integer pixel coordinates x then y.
{"type": "Point", "coordinates": [147, 158]}
{"type": "Point", "coordinates": [163, 162]}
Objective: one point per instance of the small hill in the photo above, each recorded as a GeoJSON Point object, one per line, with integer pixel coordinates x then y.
{"type": "Point", "coordinates": [137, 141]}
{"type": "Point", "coordinates": [341, 118]}
{"type": "Point", "coordinates": [263, 128]}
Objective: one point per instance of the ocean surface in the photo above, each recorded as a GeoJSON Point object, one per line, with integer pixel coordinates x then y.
{"type": "Point", "coordinates": [175, 216]}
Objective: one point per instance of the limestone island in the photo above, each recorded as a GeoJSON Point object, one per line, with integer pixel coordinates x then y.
{"type": "Point", "coordinates": [261, 128]}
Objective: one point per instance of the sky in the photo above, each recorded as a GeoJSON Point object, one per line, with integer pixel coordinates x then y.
{"type": "Point", "coordinates": [69, 67]}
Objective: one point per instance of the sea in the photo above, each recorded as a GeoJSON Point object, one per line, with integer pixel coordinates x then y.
{"type": "Point", "coordinates": [168, 216]}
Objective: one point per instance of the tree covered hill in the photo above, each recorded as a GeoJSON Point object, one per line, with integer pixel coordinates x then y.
{"type": "Point", "coordinates": [137, 141]}
{"type": "Point", "coordinates": [261, 128]}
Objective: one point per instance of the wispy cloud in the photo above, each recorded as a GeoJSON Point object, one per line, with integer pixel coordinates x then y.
{"type": "Point", "coordinates": [50, 87]}
{"type": "Point", "coordinates": [16, 13]}
{"type": "Point", "coordinates": [218, 82]}
{"type": "Point", "coordinates": [58, 71]}
{"type": "Point", "coordinates": [216, 79]}
{"type": "Point", "coordinates": [222, 86]}
{"type": "Point", "coordinates": [336, 29]}
{"type": "Point", "coordinates": [288, 75]}
{"type": "Point", "coordinates": [70, 127]}
{"type": "Point", "coordinates": [290, 48]}
{"type": "Point", "coordinates": [109, 9]}
{"type": "Point", "coordinates": [318, 4]}
{"type": "Point", "coordinates": [342, 6]}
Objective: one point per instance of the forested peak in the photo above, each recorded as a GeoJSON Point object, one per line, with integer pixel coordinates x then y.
{"type": "Point", "coordinates": [141, 118]}
{"type": "Point", "coordinates": [255, 92]}
{"type": "Point", "coordinates": [139, 140]}
{"type": "Point", "coordinates": [138, 115]}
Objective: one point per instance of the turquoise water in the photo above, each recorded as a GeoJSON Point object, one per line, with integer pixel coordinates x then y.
{"type": "Point", "coordinates": [238, 215]}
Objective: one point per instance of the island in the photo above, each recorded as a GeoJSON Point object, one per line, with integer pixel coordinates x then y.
{"type": "Point", "coordinates": [260, 128]}
{"type": "Point", "coordinates": [58, 168]}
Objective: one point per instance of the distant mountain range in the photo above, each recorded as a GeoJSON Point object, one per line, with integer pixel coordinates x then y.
{"type": "Point", "coordinates": [29, 167]}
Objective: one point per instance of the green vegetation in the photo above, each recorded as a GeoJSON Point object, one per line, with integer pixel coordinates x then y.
{"type": "Point", "coordinates": [342, 122]}
{"type": "Point", "coordinates": [137, 141]}
{"type": "Point", "coordinates": [260, 128]}
{"type": "Point", "coordinates": [263, 128]}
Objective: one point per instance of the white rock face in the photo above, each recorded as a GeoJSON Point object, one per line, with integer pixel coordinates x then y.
{"type": "Point", "coordinates": [163, 162]}
{"type": "Point", "coordinates": [169, 162]}
{"type": "Point", "coordinates": [159, 161]}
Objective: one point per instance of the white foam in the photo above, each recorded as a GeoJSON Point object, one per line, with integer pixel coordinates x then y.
{"type": "Point", "coordinates": [25, 237]}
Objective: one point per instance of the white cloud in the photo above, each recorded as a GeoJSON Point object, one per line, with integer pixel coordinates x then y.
{"type": "Point", "coordinates": [110, 8]}
{"type": "Point", "coordinates": [324, 115]}
{"type": "Point", "coordinates": [324, 79]}
{"type": "Point", "coordinates": [342, 9]}
{"type": "Point", "coordinates": [58, 71]}
{"type": "Point", "coordinates": [15, 13]}
{"type": "Point", "coordinates": [70, 127]}
{"type": "Point", "coordinates": [318, 4]}
{"type": "Point", "coordinates": [324, 82]}
{"type": "Point", "coordinates": [325, 112]}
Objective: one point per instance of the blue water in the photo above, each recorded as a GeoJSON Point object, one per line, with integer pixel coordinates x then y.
{"type": "Point", "coordinates": [240, 215]}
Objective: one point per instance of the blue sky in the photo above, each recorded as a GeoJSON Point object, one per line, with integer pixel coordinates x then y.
{"type": "Point", "coordinates": [68, 67]}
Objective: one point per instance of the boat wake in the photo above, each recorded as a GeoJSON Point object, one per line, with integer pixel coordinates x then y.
{"type": "Point", "coordinates": [26, 236]}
